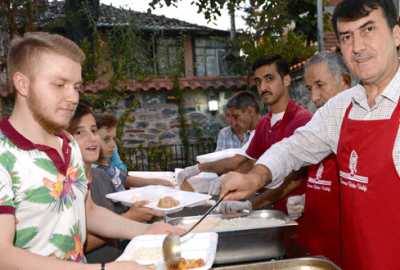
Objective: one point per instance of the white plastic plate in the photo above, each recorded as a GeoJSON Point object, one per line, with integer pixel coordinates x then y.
{"type": "Point", "coordinates": [214, 156]}
{"type": "Point", "coordinates": [193, 246]}
{"type": "Point", "coordinates": [185, 198]}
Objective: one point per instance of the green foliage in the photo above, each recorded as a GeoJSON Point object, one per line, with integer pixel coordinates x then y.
{"type": "Point", "coordinates": [263, 16]}
{"type": "Point", "coordinates": [304, 14]}
{"type": "Point", "coordinates": [132, 55]}
{"type": "Point", "coordinates": [159, 157]}
{"type": "Point", "coordinates": [290, 46]}
{"type": "Point", "coordinates": [16, 18]}
{"type": "Point", "coordinates": [210, 8]}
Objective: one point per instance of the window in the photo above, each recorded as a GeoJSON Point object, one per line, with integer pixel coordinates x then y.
{"type": "Point", "coordinates": [167, 51]}
{"type": "Point", "coordinates": [209, 57]}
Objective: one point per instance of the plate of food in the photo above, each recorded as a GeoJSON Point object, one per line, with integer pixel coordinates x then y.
{"type": "Point", "coordinates": [164, 199]}
{"type": "Point", "coordinates": [197, 251]}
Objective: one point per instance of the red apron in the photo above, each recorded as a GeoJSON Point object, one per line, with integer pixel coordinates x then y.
{"type": "Point", "coordinates": [320, 227]}
{"type": "Point", "coordinates": [370, 193]}
{"type": "Point", "coordinates": [281, 205]}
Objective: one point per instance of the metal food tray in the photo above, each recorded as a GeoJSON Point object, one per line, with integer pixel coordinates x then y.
{"type": "Point", "coordinates": [309, 263]}
{"type": "Point", "coordinates": [251, 244]}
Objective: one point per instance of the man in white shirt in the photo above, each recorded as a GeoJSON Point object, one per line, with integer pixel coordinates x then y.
{"type": "Point", "coordinates": [361, 126]}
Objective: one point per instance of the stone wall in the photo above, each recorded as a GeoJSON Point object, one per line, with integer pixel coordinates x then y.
{"type": "Point", "coordinates": [156, 117]}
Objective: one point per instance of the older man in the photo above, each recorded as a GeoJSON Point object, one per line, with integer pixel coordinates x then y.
{"type": "Point", "coordinates": [326, 75]}
{"type": "Point", "coordinates": [361, 126]}
{"type": "Point", "coordinates": [231, 136]}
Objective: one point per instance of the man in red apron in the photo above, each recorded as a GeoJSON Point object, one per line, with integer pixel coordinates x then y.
{"type": "Point", "coordinates": [361, 126]}
{"type": "Point", "coordinates": [326, 75]}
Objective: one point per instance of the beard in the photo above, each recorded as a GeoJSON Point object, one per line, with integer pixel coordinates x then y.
{"type": "Point", "coordinates": [37, 108]}
{"type": "Point", "coordinates": [319, 104]}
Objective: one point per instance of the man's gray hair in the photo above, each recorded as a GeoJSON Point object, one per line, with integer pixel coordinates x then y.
{"type": "Point", "coordinates": [332, 60]}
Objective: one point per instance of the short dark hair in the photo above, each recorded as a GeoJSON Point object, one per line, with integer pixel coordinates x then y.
{"type": "Point", "coordinates": [242, 100]}
{"type": "Point", "coordinates": [105, 120]}
{"type": "Point", "coordinates": [81, 110]}
{"type": "Point", "coordinates": [352, 10]}
{"type": "Point", "coordinates": [86, 102]}
{"type": "Point", "coordinates": [281, 64]}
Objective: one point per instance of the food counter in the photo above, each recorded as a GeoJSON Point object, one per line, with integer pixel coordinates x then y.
{"type": "Point", "coordinates": [294, 256]}
{"type": "Point", "coordinates": [253, 248]}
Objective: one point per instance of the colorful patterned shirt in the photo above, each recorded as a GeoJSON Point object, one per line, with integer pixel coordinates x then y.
{"type": "Point", "coordinates": [228, 139]}
{"type": "Point", "coordinates": [45, 193]}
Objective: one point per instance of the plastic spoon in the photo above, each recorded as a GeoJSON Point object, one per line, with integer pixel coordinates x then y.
{"type": "Point", "coordinates": [172, 243]}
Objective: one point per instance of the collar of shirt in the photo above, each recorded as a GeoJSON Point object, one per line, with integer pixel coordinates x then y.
{"type": "Point", "coordinates": [391, 92]}
{"type": "Point", "coordinates": [290, 111]}
{"type": "Point", "coordinates": [229, 131]}
{"type": "Point", "coordinates": [22, 142]}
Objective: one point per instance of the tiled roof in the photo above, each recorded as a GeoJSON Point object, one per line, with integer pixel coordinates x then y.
{"type": "Point", "coordinates": [190, 83]}
{"type": "Point", "coordinates": [110, 16]}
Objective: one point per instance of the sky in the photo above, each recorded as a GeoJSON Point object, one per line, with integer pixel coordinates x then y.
{"type": "Point", "coordinates": [185, 12]}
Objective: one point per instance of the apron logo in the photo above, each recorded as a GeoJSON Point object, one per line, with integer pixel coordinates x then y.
{"type": "Point", "coordinates": [361, 180]}
{"type": "Point", "coordinates": [318, 180]}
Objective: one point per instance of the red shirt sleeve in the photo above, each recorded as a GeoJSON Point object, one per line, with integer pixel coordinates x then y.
{"type": "Point", "coordinates": [7, 210]}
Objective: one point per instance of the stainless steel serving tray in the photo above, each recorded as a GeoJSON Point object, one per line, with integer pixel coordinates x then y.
{"type": "Point", "coordinates": [251, 244]}
{"type": "Point", "coordinates": [309, 263]}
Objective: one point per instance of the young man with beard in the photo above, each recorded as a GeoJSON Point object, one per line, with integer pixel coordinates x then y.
{"type": "Point", "coordinates": [271, 76]}
{"type": "Point", "coordinates": [45, 207]}
{"type": "Point", "coordinates": [361, 126]}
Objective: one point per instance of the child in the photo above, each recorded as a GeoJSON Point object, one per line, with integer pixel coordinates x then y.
{"type": "Point", "coordinates": [83, 128]}
{"type": "Point", "coordinates": [107, 126]}
{"type": "Point", "coordinates": [115, 159]}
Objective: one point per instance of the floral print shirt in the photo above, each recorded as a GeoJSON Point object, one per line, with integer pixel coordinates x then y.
{"type": "Point", "coordinates": [45, 193]}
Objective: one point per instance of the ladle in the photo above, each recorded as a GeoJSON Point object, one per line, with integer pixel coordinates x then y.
{"type": "Point", "coordinates": [172, 244]}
